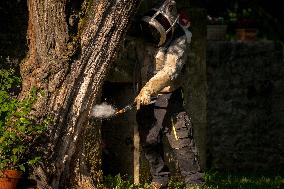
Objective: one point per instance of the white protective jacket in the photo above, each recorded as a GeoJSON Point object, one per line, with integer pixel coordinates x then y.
{"type": "Point", "coordinates": [163, 74]}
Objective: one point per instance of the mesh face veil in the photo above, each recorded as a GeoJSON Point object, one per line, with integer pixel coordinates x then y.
{"type": "Point", "coordinates": [158, 24]}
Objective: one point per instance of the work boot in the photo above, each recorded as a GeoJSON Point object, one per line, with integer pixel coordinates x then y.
{"type": "Point", "coordinates": [195, 181]}
{"type": "Point", "coordinates": [194, 187]}
{"type": "Point", "coordinates": [155, 185]}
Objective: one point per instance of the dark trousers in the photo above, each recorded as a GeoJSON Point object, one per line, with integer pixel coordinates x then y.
{"type": "Point", "coordinates": [168, 116]}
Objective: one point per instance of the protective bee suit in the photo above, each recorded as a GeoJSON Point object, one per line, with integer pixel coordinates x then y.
{"type": "Point", "coordinates": [161, 77]}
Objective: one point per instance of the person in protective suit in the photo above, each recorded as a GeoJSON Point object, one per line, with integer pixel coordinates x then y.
{"type": "Point", "coordinates": [169, 35]}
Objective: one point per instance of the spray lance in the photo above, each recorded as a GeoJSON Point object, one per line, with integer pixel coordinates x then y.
{"type": "Point", "coordinates": [105, 110]}
{"type": "Point", "coordinates": [125, 109]}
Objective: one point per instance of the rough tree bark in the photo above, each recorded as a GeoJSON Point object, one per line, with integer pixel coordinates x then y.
{"type": "Point", "coordinates": [70, 71]}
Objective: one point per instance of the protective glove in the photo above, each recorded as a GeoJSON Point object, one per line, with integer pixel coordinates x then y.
{"type": "Point", "coordinates": [143, 98]}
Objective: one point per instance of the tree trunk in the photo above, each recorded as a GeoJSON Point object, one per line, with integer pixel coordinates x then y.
{"type": "Point", "coordinates": [70, 68]}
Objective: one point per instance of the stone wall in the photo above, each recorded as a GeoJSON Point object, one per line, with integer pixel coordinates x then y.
{"type": "Point", "coordinates": [245, 106]}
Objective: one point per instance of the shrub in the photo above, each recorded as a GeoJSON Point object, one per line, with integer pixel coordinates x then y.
{"type": "Point", "coordinates": [18, 129]}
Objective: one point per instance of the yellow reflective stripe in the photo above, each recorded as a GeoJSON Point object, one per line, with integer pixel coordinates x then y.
{"type": "Point", "coordinates": [174, 129]}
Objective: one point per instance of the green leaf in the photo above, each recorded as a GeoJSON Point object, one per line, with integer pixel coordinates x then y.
{"type": "Point", "coordinates": [4, 107]}
{"type": "Point", "coordinates": [22, 128]}
{"type": "Point", "coordinates": [15, 150]}
{"type": "Point", "coordinates": [12, 135]}
{"type": "Point", "coordinates": [33, 161]}
{"type": "Point", "coordinates": [14, 159]}
{"type": "Point", "coordinates": [22, 168]}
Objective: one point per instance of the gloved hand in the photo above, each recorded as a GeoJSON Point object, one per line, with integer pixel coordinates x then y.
{"type": "Point", "coordinates": [143, 98]}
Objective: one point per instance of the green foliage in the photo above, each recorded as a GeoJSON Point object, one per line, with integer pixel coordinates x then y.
{"type": "Point", "coordinates": [231, 16]}
{"type": "Point", "coordinates": [213, 180]}
{"type": "Point", "coordinates": [220, 180]}
{"type": "Point", "coordinates": [19, 130]}
{"type": "Point", "coordinates": [235, 15]}
{"type": "Point", "coordinates": [7, 103]}
{"type": "Point", "coordinates": [119, 182]}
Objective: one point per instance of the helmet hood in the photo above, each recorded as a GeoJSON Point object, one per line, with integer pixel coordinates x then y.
{"type": "Point", "coordinates": [158, 24]}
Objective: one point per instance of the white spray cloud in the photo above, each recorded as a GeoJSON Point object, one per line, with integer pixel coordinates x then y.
{"type": "Point", "coordinates": [103, 110]}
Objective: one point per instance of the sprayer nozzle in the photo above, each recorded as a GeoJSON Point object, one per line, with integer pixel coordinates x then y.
{"type": "Point", "coordinates": [119, 111]}
{"type": "Point", "coordinates": [125, 109]}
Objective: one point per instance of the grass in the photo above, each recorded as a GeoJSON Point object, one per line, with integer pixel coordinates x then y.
{"type": "Point", "coordinates": [217, 180]}
{"type": "Point", "coordinates": [213, 180]}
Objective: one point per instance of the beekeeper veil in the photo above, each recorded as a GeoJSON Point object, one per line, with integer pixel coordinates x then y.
{"type": "Point", "coordinates": [158, 24]}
